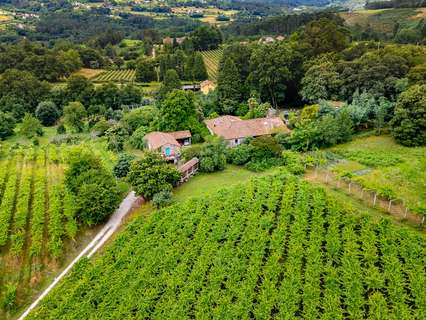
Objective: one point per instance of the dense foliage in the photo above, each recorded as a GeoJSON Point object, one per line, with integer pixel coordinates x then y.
{"type": "Point", "coordinates": [275, 245]}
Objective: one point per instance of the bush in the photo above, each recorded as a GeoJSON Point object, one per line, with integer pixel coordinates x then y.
{"type": "Point", "coordinates": [265, 147]}
{"type": "Point", "coordinates": [263, 164]}
{"type": "Point", "coordinates": [213, 156]}
{"type": "Point", "coordinates": [116, 137]}
{"type": "Point", "coordinates": [408, 124]}
{"type": "Point", "coordinates": [137, 138]}
{"type": "Point", "coordinates": [101, 127]}
{"type": "Point", "coordinates": [61, 129]}
{"type": "Point", "coordinates": [47, 113]}
{"type": "Point", "coordinates": [9, 297]}
{"type": "Point", "coordinates": [30, 126]}
{"type": "Point", "coordinates": [192, 151]}
{"type": "Point", "coordinates": [95, 189]}
{"type": "Point", "coordinates": [162, 199]}
{"type": "Point", "coordinates": [151, 174]}
{"type": "Point", "coordinates": [144, 116]}
{"type": "Point", "coordinates": [240, 155]}
{"type": "Point", "coordinates": [74, 114]}
{"type": "Point", "coordinates": [122, 167]}
{"type": "Point", "coordinates": [293, 162]}
{"type": "Point", "coordinates": [7, 125]}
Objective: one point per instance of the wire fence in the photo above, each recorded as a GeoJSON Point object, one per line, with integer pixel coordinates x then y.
{"type": "Point", "coordinates": [395, 207]}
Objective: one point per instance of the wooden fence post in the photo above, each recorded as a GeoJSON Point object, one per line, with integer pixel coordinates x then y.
{"type": "Point", "coordinates": [375, 199]}
{"type": "Point", "coordinates": [326, 177]}
{"type": "Point", "coordinates": [405, 214]}
{"type": "Point", "coordinates": [350, 183]}
{"type": "Point", "coordinates": [390, 204]}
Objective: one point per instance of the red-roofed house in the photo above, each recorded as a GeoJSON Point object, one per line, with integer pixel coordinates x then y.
{"type": "Point", "coordinates": [235, 130]}
{"type": "Point", "coordinates": [168, 143]}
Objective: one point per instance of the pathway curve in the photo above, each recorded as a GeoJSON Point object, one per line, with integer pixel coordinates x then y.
{"type": "Point", "coordinates": [107, 231]}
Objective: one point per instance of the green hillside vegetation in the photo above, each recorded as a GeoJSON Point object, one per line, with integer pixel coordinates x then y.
{"type": "Point", "coordinates": [275, 246]}
{"type": "Point", "coordinates": [387, 23]}
{"type": "Point", "coordinates": [381, 165]}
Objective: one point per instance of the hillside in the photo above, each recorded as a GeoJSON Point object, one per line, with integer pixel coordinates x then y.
{"type": "Point", "coordinates": [275, 247]}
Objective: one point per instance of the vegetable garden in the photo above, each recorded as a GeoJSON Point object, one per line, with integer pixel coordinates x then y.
{"type": "Point", "coordinates": [394, 172]}
{"type": "Point", "coordinates": [275, 247]}
{"type": "Point", "coordinates": [37, 217]}
{"type": "Point", "coordinates": [115, 75]}
{"type": "Point", "coordinates": [211, 60]}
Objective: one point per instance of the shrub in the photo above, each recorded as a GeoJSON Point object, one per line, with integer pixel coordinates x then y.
{"type": "Point", "coordinates": [137, 138]}
{"type": "Point", "coordinates": [265, 147]}
{"type": "Point", "coordinates": [263, 164]}
{"type": "Point", "coordinates": [191, 152]}
{"type": "Point", "coordinates": [144, 116]}
{"type": "Point", "coordinates": [30, 126]}
{"type": "Point", "coordinates": [116, 137]}
{"type": "Point", "coordinates": [7, 124]}
{"type": "Point", "coordinates": [9, 297]}
{"type": "Point", "coordinates": [61, 129]}
{"type": "Point", "coordinates": [162, 199]}
{"type": "Point", "coordinates": [240, 155]}
{"type": "Point", "coordinates": [408, 124]}
{"type": "Point", "coordinates": [151, 174]}
{"type": "Point", "coordinates": [122, 167]}
{"type": "Point", "coordinates": [74, 114]}
{"type": "Point", "coordinates": [101, 127]}
{"type": "Point", "coordinates": [213, 156]}
{"type": "Point", "coordinates": [47, 113]}
{"type": "Point", "coordinates": [293, 162]}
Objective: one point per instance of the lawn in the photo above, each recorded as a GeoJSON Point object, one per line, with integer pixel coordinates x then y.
{"type": "Point", "coordinates": [207, 183]}
{"type": "Point", "coordinates": [379, 164]}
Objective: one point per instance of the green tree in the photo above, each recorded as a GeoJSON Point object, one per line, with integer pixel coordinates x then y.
{"type": "Point", "coordinates": [74, 114]}
{"type": "Point", "coordinates": [116, 137]}
{"type": "Point", "coordinates": [178, 112]}
{"type": "Point", "coordinates": [137, 139]}
{"type": "Point", "coordinates": [151, 175]}
{"type": "Point", "coordinates": [212, 155]}
{"type": "Point", "coordinates": [145, 70]}
{"type": "Point", "coordinates": [30, 126]}
{"type": "Point", "coordinates": [228, 86]}
{"type": "Point", "coordinates": [206, 38]}
{"type": "Point", "coordinates": [80, 89]}
{"type": "Point", "coordinates": [409, 122]}
{"type": "Point", "coordinates": [47, 113]}
{"type": "Point", "coordinates": [7, 125]}
{"type": "Point", "coordinates": [122, 167]}
{"type": "Point", "coordinates": [171, 82]}
{"type": "Point", "coordinates": [417, 74]}
{"type": "Point", "coordinates": [199, 71]}
{"type": "Point", "coordinates": [145, 116]}
{"type": "Point", "coordinates": [256, 109]}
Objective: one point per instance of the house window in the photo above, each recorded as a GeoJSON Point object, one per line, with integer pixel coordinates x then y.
{"type": "Point", "coordinates": [236, 141]}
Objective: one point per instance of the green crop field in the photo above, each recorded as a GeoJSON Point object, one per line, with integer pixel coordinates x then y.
{"type": "Point", "coordinates": [381, 165]}
{"type": "Point", "coordinates": [274, 247]}
{"type": "Point", "coordinates": [38, 228]}
{"type": "Point", "coordinates": [211, 60]}
{"type": "Point", "coordinates": [115, 75]}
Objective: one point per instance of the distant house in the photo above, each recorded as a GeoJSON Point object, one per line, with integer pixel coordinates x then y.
{"type": "Point", "coordinates": [207, 86]}
{"type": "Point", "coordinates": [191, 87]}
{"type": "Point", "coordinates": [235, 130]}
{"type": "Point", "coordinates": [168, 144]}
{"type": "Point", "coordinates": [168, 41]}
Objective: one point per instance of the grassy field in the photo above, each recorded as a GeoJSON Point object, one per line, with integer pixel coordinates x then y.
{"type": "Point", "coordinates": [394, 171]}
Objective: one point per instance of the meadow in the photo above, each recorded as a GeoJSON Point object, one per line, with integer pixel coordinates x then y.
{"type": "Point", "coordinates": [274, 247]}
{"type": "Point", "coordinates": [381, 165]}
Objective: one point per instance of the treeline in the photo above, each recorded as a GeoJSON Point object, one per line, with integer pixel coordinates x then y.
{"type": "Point", "coordinates": [285, 24]}
{"type": "Point", "coordinates": [395, 4]}
{"type": "Point", "coordinates": [84, 27]}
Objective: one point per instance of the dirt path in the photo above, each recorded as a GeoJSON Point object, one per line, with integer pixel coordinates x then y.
{"type": "Point", "coordinates": [396, 209]}
{"type": "Point", "coordinates": [103, 236]}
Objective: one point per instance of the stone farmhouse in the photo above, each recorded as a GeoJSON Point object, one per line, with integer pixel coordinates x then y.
{"type": "Point", "coordinates": [168, 144]}
{"type": "Point", "coordinates": [235, 130]}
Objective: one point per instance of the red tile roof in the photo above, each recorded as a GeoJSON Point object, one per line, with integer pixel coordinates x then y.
{"type": "Point", "coordinates": [181, 134]}
{"type": "Point", "coordinates": [156, 140]}
{"type": "Point", "coordinates": [231, 127]}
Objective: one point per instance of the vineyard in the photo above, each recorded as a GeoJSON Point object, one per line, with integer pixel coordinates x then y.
{"type": "Point", "coordinates": [37, 221]}
{"type": "Point", "coordinates": [115, 75]}
{"type": "Point", "coordinates": [273, 248]}
{"type": "Point", "coordinates": [211, 60]}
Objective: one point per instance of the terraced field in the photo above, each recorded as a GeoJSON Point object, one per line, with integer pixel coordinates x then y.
{"type": "Point", "coordinates": [211, 60]}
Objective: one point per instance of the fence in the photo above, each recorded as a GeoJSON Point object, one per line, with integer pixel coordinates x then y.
{"type": "Point", "coordinates": [395, 207]}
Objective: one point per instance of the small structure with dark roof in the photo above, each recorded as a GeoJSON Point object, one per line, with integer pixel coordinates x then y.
{"type": "Point", "coordinates": [235, 130]}
{"type": "Point", "coordinates": [189, 169]}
